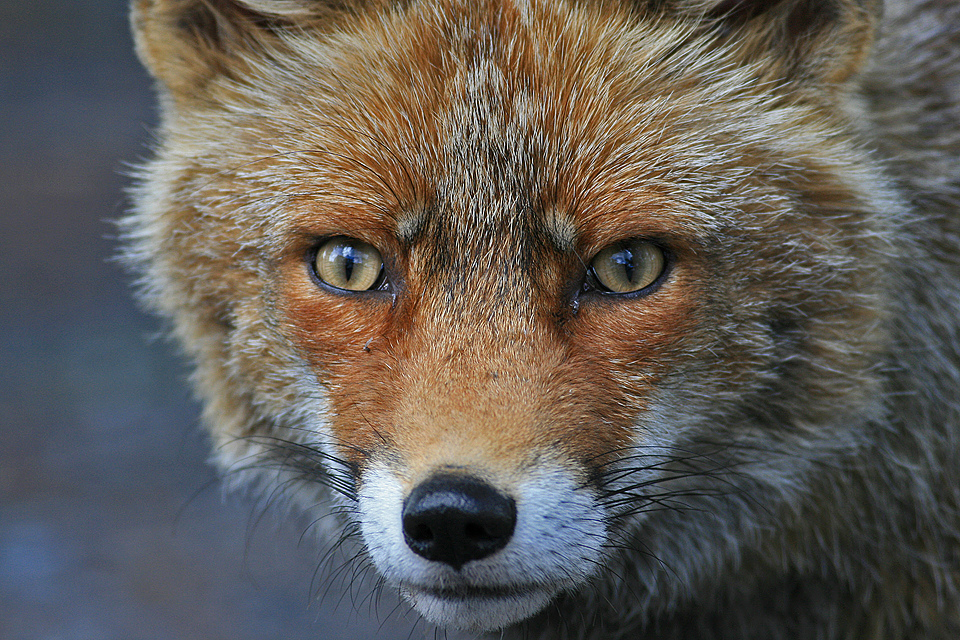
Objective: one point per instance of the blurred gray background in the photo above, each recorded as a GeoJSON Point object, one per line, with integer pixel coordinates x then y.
{"type": "Point", "coordinates": [112, 526]}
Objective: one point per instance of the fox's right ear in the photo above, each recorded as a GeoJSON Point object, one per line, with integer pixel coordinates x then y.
{"type": "Point", "coordinates": [184, 43]}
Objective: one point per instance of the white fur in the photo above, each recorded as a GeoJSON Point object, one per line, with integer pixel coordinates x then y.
{"type": "Point", "coordinates": [557, 544]}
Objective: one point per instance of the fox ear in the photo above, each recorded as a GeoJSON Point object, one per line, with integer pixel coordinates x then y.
{"type": "Point", "coordinates": [819, 40]}
{"type": "Point", "coordinates": [184, 43]}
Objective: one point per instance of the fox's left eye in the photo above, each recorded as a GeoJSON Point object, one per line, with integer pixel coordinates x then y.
{"type": "Point", "coordinates": [348, 264]}
{"type": "Point", "coordinates": [628, 266]}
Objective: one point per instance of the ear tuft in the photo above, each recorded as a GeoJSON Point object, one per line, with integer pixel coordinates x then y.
{"type": "Point", "coordinates": [293, 10]}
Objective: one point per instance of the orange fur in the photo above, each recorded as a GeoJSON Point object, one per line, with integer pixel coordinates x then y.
{"type": "Point", "coordinates": [753, 447]}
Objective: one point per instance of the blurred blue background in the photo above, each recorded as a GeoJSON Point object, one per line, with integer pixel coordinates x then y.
{"type": "Point", "coordinates": [112, 526]}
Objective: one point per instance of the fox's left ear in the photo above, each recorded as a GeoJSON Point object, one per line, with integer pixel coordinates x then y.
{"type": "Point", "coordinates": [812, 40]}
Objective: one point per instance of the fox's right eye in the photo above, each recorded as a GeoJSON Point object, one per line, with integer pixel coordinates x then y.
{"type": "Point", "coordinates": [629, 266]}
{"type": "Point", "coordinates": [348, 264]}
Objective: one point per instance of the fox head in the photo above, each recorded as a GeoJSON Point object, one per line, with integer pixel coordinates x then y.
{"type": "Point", "coordinates": [545, 297]}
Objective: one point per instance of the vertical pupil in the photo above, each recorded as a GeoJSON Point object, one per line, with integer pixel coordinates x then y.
{"type": "Point", "coordinates": [625, 260]}
{"type": "Point", "coordinates": [349, 260]}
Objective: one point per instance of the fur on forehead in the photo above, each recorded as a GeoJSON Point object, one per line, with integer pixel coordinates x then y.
{"type": "Point", "coordinates": [462, 83]}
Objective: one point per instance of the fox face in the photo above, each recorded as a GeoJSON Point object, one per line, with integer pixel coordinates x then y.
{"type": "Point", "coordinates": [547, 297]}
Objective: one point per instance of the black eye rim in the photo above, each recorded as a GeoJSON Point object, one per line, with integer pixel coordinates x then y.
{"type": "Point", "coordinates": [380, 286]}
{"type": "Point", "coordinates": [593, 286]}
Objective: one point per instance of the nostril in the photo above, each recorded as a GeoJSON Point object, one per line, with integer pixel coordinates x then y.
{"type": "Point", "coordinates": [420, 532]}
{"type": "Point", "coordinates": [455, 519]}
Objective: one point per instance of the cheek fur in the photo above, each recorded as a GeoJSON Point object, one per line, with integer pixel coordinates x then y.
{"type": "Point", "coordinates": [639, 340]}
{"type": "Point", "coordinates": [334, 334]}
{"type": "Point", "coordinates": [417, 390]}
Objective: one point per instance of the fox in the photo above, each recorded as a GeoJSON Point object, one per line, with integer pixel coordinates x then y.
{"type": "Point", "coordinates": [593, 319]}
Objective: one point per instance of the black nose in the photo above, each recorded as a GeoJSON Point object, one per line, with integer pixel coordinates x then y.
{"type": "Point", "coordinates": [455, 519]}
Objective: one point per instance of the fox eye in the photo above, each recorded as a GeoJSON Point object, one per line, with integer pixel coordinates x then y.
{"type": "Point", "coordinates": [349, 264]}
{"type": "Point", "coordinates": [628, 266]}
